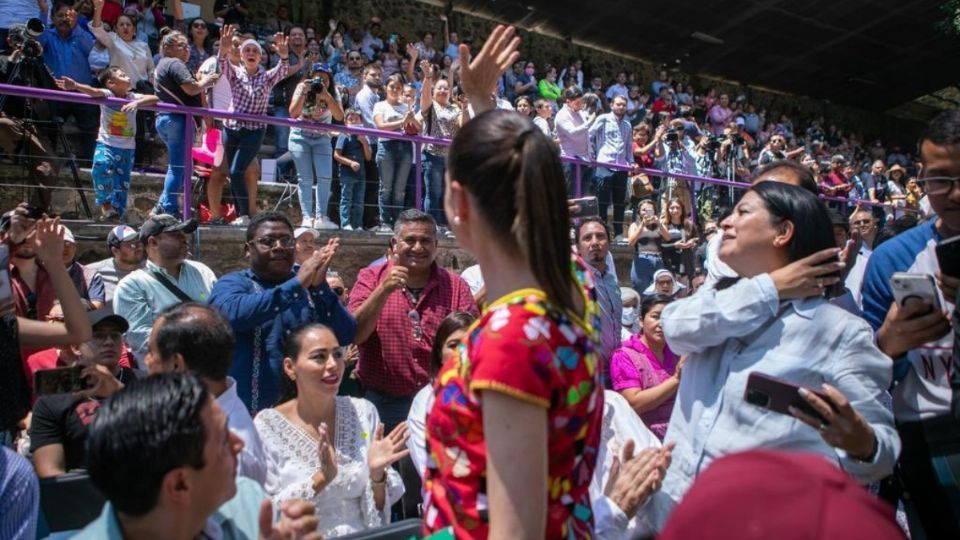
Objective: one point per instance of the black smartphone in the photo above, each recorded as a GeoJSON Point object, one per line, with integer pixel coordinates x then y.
{"type": "Point", "coordinates": [778, 395]}
{"type": "Point", "coordinates": [58, 380]}
{"type": "Point", "coordinates": [33, 212]}
{"type": "Point", "coordinates": [583, 207]}
{"type": "Point", "coordinates": [948, 256]}
{"type": "Point", "coordinates": [6, 289]}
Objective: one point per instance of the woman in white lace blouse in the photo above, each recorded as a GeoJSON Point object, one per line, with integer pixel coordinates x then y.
{"type": "Point", "coordinates": [351, 480]}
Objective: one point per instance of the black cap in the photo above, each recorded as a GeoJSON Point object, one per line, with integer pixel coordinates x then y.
{"type": "Point", "coordinates": [165, 223]}
{"type": "Point", "coordinates": [106, 314]}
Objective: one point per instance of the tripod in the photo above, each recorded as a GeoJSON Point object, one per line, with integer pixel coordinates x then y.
{"type": "Point", "coordinates": [30, 119]}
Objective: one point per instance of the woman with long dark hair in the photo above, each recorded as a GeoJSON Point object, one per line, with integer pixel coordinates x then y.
{"type": "Point", "coordinates": [200, 43]}
{"type": "Point", "coordinates": [678, 251]}
{"type": "Point", "coordinates": [515, 428]}
{"type": "Point", "coordinates": [775, 320]}
{"type": "Point", "coordinates": [326, 448]}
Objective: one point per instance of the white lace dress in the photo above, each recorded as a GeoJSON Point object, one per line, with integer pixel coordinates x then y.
{"type": "Point", "coordinates": [346, 505]}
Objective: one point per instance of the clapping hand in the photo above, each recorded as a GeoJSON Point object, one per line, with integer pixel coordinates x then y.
{"type": "Point", "coordinates": [479, 75]}
{"type": "Point", "coordinates": [328, 460]}
{"type": "Point", "coordinates": [326, 254]}
{"type": "Point", "coordinates": [384, 451]}
{"type": "Point", "coordinates": [298, 521]}
{"type": "Point", "coordinates": [633, 478]}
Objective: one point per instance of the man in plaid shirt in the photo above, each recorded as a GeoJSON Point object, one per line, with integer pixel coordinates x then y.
{"type": "Point", "coordinates": [399, 305]}
{"type": "Point", "coordinates": [251, 86]}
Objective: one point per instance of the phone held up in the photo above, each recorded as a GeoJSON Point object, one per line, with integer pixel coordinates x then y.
{"type": "Point", "coordinates": [948, 256]}
{"type": "Point", "coordinates": [915, 287]}
{"type": "Point", "coordinates": [62, 380]}
{"type": "Point", "coordinates": [584, 207]}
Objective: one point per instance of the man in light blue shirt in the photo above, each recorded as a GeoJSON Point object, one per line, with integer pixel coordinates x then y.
{"type": "Point", "coordinates": [593, 245]}
{"type": "Point", "coordinates": [167, 279]}
{"type": "Point", "coordinates": [161, 453]}
{"type": "Point", "coordinates": [612, 138]}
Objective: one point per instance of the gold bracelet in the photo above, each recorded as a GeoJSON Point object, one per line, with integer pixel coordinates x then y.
{"type": "Point", "coordinates": [381, 481]}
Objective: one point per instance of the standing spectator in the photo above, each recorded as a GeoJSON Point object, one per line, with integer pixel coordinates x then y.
{"type": "Point", "coordinates": [66, 51]}
{"type": "Point", "coordinates": [663, 79]}
{"type": "Point", "coordinates": [645, 371]}
{"type": "Point", "coordinates": [267, 301]}
{"type": "Point", "coordinates": [836, 184]}
{"type": "Point", "coordinates": [574, 70]}
{"type": "Point", "coordinates": [372, 44]}
{"type": "Point", "coordinates": [720, 115]}
{"type": "Point", "coordinates": [233, 12]}
{"type": "Point", "coordinates": [58, 428]}
{"type": "Point", "coordinates": [664, 103]}
{"type": "Point", "coordinates": [863, 222]}
{"type": "Point", "coordinates": [425, 48]}
{"type": "Point", "coordinates": [176, 84]}
{"type": "Point", "coordinates": [116, 139]}
{"type": "Point", "coordinates": [573, 132]}
{"type": "Point", "coordinates": [526, 84]}
{"type": "Point", "coordinates": [510, 81]}
{"type": "Point", "coordinates": [251, 86]}
{"type": "Point", "coordinates": [197, 339]}
{"type": "Point", "coordinates": [612, 141]}
{"type": "Point", "coordinates": [646, 235]}
{"type": "Point", "coordinates": [167, 278]}
{"type": "Point", "coordinates": [548, 87]}
{"type": "Point", "coordinates": [126, 252]}
{"type": "Point", "coordinates": [593, 246]}
{"type": "Point", "coordinates": [281, 23]}
{"type": "Point", "coordinates": [351, 153]}
{"type": "Point", "coordinates": [678, 250]}
{"type": "Point", "coordinates": [126, 52]}
{"type": "Point", "coordinates": [353, 78]}
{"type": "Point", "coordinates": [619, 88]}
{"type": "Point", "coordinates": [543, 117]}
{"type": "Point", "coordinates": [752, 120]}
{"type": "Point", "coordinates": [683, 94]}
{"type": "Point", "coordinates": [200, 46]}
{"type": "Point", "coordinates": [451, 40]}
{"type": "Point", "coordinates": [775, 150]}
{"type": "Point", "coordinates": [399, 306]}
{"type": "Point", "coordinates": [89, 284]}
{"type": "Point", "coordinates": [676, 156]}
{"type": "Point", "coordinates": [313, 150]}
{"type": "Point", "coordinates": [300, 62]}
{"type": "Point", "coordinates": [440, 118]}
{"type": "Point", "coordinates": [365, 102]}
{"type": "Point", "coordinates": [393, 157]}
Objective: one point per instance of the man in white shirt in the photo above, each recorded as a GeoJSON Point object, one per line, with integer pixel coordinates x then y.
{"type": "Point", "coordinates": [573, 131]}
{"type": "Point", "coordinates": [197, 339]}
{"type": "Point", "coordinates": [619, 88]}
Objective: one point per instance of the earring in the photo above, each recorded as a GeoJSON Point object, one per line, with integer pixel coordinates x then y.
{"type": "Point", "coordinates": [456, 220]}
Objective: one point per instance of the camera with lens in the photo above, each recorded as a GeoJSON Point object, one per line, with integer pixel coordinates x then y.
{"type": "Point", "coordinates": [737, 139]}
{"type": "Point", "coordinates": [713, 143]}
{"type": "Point", "coordinates": [25, 38]}
{"type": "Point", "coordinates": [672, 135]}
{"type": "Point", "coordinates": [316, 85]}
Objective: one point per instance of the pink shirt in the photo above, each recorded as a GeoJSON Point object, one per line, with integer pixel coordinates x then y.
{"type": "Point", "coordinates": [635, 366]}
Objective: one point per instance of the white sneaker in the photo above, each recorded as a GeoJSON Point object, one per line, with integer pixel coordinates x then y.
{"type": "Point", "coordinates": [384, 229]}
{"type": "Point", "coordinates": [347, 228]}
{"type": "Point", "coordinates": [307, 222]}
{"type": "Point", "coordinates": [324, 223]}
{"type": "Point", "coordinates": [241, 221]}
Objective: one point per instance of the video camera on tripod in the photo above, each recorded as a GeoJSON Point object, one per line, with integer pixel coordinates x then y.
{"type": "Point", "coordinates": [25, 37]}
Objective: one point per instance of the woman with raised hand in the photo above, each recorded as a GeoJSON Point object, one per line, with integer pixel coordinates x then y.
{"type": "Point", "coordinates": [126, 52]}
{"type": "Point", "coordinates": [514, 432]}
{"type": "Point", "coordinates": [775, 320]}
{"type": "Point", "coordinates": [326, 448]}
{"type": "Point", "coordinates": [394, 157]}
{"type": "Point", "coordinates": [440, 118]}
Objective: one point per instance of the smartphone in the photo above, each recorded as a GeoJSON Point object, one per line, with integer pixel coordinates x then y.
{"type": "Point", "coordinates": [58, 380]}
{"type": "Point", "coordinates": [584, 207]}
{"type": "Point", "coordinates": [778, 395]}
{"type": "Point", "coordinates": [33, 212]}
{"type": "Point", "coordinates": [948, 256]}
{"type": "Point", "coordinates": [6, 290]}
{"type": "Point", "coordinates": [907, 287]}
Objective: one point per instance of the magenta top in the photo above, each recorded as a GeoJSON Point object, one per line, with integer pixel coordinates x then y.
{"type": "Point", "coordinates": [635, 366]}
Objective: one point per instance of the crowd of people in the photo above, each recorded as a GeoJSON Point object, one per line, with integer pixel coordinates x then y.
{"type": "Point", "coordinates": [354, 75]}
{"type": "Point", "coordinates": [783, 343]}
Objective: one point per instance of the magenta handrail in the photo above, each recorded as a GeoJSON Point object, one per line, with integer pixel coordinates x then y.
{"type": "Point", "coordinates": [417, 140]}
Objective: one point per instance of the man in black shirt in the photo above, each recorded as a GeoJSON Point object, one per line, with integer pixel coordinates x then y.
{"type": "Point", "coordinates": [58, 429]}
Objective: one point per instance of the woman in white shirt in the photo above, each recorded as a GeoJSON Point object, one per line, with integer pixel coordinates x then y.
{"type": "Point", "coordinates": [125, 51]}
{"type": "Point", "coordinates": [775, 320]}
{"type": "Point", "coordinates": [440, 118]}
{"type": "Point", "coordinates": [394, 157]}
{"type": "Point", "coordinates": [326, 448]}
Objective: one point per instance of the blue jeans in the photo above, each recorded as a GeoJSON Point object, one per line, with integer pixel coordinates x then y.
{"type": "Point", "coordinates": [612, 184]}
{"type": "Point", "coordinates": [240, 147]}
{"type": "Point", "coordinates": [392, 410]}
{"type": "Point", "coordinates": [313, 157]}
{"type": "Point", "coordinates": [434, 168]}
{"type": "Point", "coordinates": [170, 128]}
{"type": "Point", "coordinates": [352, 190]}
{"type": "Point", "coordinates": [282, 132]}
{"type": "Point", "coordinates": [642, 270]}
{"type": "Point", "coordinates": [393, 159]}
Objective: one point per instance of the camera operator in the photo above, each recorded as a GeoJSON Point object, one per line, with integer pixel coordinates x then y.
{"type": "Point", "coordinates": [23, 66]}
{"type": "Point", "coordinates": [776, 150]}
{"type": "Point", "coordinates": [733, 156]}
{"type": "Point", "coordinates": [674, 154]}
{"type": "Point", "coordinates": [66, 50]}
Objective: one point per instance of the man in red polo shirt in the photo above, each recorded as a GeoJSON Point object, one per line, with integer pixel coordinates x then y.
{"type": "Point", "coordinates": [399, 306]}
{"type": "Point", "coordinates": [836, 184]}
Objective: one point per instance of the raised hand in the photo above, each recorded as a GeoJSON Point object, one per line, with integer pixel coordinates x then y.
{"type": "Point", "coordinates": [479, 75]}
{"type": "Point", "coordinates": [333, 24]}
{"type": "Point", "coordinates": [226, 39]}
{"type": "Point", "coordinates": [809, 276]}
{"type": "Point", "coordinates": [326, 254]}
{"type": "Point", "coordinates": [280, 42]}
{"type": "Point", "coordinates": [49, 241]}
{"type": "Point", "coordinates": [412, 52]}
{"type": "Point", "coordinates": [98, 5]}
{"type": "Point", "coordinates": [384, 451]}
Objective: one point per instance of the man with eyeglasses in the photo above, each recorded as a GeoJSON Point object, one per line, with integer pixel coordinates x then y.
{"type": "Point", "coordinates": [268, 301]}
{"type": "Point", "coordinates": [863, 222]}
{"type": "Point", "coordinates": [917, 337]}
{"type": "Point", "coordinates": [167, 278]}
{"type": "Point", "coordinates": [126, 252]}
{"type": "Point", "coordinates": [352, 77]}
{"type": "Point", "coordinates": [399, 305]}
{"type": "Point", "coordinates": [58, 428]}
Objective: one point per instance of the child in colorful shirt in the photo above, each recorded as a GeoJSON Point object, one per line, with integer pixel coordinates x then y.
{"type": "Point", "coordinates": [113, 157]}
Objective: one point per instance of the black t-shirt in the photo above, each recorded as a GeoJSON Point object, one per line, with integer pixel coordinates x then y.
{"type": "Point", "coordinates": [170, 74]}
{"type": "Point", "coordinates": [14, 392]}
{"type": "Point", "coordinates": [64, 419]}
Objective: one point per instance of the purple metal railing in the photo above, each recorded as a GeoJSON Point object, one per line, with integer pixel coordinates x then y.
{"type": "Point", "coordinates": [417, 140]}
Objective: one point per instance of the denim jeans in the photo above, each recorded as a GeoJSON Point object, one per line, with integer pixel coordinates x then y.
{"type": "Point", "coordinates": [240, 147]}
{"type": "Point", "coordinates": [352, 190]}
{"type": "Point", "coordinates": [313, 157]}
{"type": "Point", "coordinates": [393, 160]}
{"type": "Point", "coordinates": [642, 270]}
{"type": "Point", "coordinates": [612, 185]}
{"type": "Point", "coordinates": [434, 168]}
{"type": "Point", "coordinates": [587, 187]}
{"type": "Point", "coordinates": [392, 410]}
{"type": "Point", "coordinates": [170, 128]}
{"type": "Point", "coordinates": [282, 132]}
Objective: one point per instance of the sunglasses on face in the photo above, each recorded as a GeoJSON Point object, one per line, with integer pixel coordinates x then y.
{"type": "Point", "coordinates": [337, 290]}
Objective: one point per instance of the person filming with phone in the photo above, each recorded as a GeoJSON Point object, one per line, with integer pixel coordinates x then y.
{"type": "Point", "coordinates": [775, 321]}
{"type": "Point", "coordinates": [915, 333]}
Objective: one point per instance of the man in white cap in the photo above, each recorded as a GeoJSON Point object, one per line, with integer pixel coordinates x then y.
{"type": "Point", "coordinates": [89, 284]}
{"type": "Point", "coordinates": [126, 252]}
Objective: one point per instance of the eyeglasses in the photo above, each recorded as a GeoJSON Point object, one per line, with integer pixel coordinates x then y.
{"type": "Point", "coordinates": [939, 185]}
{"type": "Point", "coordinates": [417, 327]}
{"type": "Point", "coordinates": [266, 242]}
{"type": "Point", "coordinates": [199, 25]}
{"type": "Point", "coordinates": [105, 335]}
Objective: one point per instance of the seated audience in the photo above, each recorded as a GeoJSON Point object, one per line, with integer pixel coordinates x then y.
{"type": "Point", "coordinates": [58, 428]}
{"type": "Point", "coordinates": [89, 284]}
{"type": "Point", "coordinates": [197, 339]}
{"type": "Point", "coordinates": [326, 448]}
{"type": "Point", "coordinates": [630, 320]}
{"type": "Point", "coordinates": [126, 252]}
{"type": "Point", "coordinates": [161, 453]}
